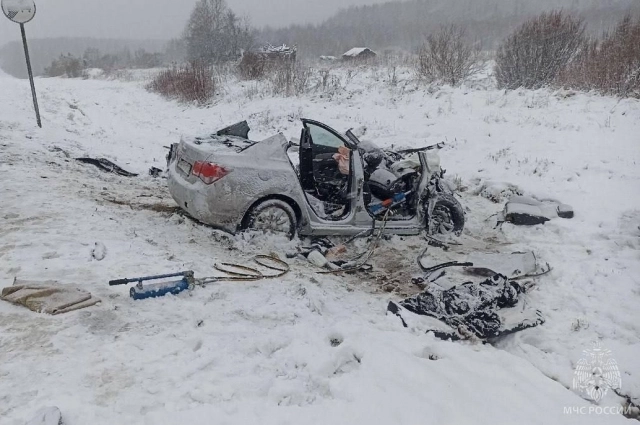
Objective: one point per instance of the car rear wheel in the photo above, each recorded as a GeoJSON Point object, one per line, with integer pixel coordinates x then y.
{"type": "Point", "coordinates": [445, 215]}
{"type": "Point", "coordinates": [272, 216]}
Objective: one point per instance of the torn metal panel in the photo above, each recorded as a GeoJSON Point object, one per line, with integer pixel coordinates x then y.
{"type": "Point", "coordinates": [108, 166]}
{"type": "Point", "coordinates": [527, 211]}
{"type": "Point", "coordinates": [511, 265]}
{"type": "Point", "coordinates": [482, 310]}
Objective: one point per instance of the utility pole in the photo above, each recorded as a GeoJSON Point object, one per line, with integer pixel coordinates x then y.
{"type": "Point", "coordinates": [21, 12]}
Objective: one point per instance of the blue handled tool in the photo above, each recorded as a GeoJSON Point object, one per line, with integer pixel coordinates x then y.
{"type": "Point", "coordinates": [140, 291]}
{"type": "Point", "coordinates": [233, 273]}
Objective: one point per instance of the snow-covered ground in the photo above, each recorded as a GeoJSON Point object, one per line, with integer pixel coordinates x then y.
{"type": "Point", "coordinates": [262, 352]}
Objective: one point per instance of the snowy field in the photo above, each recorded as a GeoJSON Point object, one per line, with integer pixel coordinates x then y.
{"type": "Point", "coordinates": [262, 352]}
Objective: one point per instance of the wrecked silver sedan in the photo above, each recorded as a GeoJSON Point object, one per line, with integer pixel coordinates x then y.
{"type": "Point", "coordinates": [327, 184]}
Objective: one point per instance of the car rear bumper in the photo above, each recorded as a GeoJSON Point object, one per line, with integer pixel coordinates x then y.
{"type": "Point", "coordinates": [200, 201]}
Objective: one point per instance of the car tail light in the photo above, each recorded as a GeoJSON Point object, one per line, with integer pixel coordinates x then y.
{"type": "Point", "coordinates": [208, 172]}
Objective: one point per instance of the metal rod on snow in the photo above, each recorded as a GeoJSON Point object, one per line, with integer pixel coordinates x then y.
{"type": "Point", "coordinates": [30, 71]}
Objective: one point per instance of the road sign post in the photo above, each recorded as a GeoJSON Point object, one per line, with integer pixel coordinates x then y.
{"type": "Point", "coordinates": [21, 12]}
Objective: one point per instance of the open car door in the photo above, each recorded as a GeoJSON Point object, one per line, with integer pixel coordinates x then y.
{"type": "Point", "coordinates": [325, 164]}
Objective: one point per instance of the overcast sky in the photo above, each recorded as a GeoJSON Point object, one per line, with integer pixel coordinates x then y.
{"type": "Point", "coordinates": [157, 19]}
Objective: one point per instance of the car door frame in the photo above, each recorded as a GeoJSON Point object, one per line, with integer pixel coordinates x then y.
{"type": "Point", "coordinates": [357, 213]}
{"type": "Point", "coordinates": [358, 219]}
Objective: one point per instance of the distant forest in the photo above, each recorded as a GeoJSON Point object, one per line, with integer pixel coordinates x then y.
{"type": "Point", "coordinates": [403, 25]}
{"type": "Point", "coordinates": [393, 25]}
{"type": "Point", "coordinates": [44, 51]}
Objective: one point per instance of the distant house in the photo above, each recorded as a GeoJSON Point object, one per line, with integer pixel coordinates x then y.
{"type": "Point", "coordinates": [359, 53]}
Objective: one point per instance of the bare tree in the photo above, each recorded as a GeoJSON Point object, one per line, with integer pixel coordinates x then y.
{"type": "Point", "coordinates": [447, 56]}
{"type": "Point", "coordinates": [538, 50]}
{"type": "Point", "coordinates": [214, 33]}
{"type": "Point", "coordinates": [66, 65]}
{"type": "Point", "coordinates": [175, 51]}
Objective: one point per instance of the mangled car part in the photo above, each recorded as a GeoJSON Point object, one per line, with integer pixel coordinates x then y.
{"type": "Point", "coordinates": [107, 166]}
{"type": "Point", "coordinates": [430, 269]}
{"type": "Point", "coordinates": [514, 265]}
{"type": "Point", "coordinates": [325, 254]}
{"type": "Point", "coordinates": [328, 184]}
{"type": "Point", "coordinates": [155, 172]}
{"type": "Point", "coordinates": [472, 310]}
{"type": "Point", "coordinates": [523, 210]}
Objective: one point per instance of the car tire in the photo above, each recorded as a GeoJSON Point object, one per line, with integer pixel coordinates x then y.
{"type": "Point", "coordinates": [272, 216]}
{"type": "Point", "coordinates": [445, 215]}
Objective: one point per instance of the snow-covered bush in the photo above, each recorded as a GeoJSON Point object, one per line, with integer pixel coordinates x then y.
{"type": "Point", "coordinates": [447, 56]}
{"type": "Point", "coordinates": [188, 83]}
{"type": "Point", "coordinates": [610, 65]}
{"type": "Point", "coordinates": [536, 52]}
{"type": "Point", "coordinates": [65, 66]}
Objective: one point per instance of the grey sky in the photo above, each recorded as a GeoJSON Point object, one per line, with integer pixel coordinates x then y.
{"type": "Point", "coordinates": [156, 19]}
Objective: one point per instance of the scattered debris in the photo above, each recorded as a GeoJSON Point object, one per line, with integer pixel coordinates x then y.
{"type": "Point", "coordinates": [512, 265]}
{"type": "Point", "coordinates": [359, 263]}
{"type": "Point", "coordinates": [437, 243]}
{"type": "Point", "coordinates": [59, 149]}
{"type": "Point", "coordinates": [49, 297]}
{"type": "Point", "coordinates": [531, 275]}
{"type": "Point", "coordinates": [316, 258]}
{"type": "Point", "coordinates": [99, 251]}
{"type": "Point", "coordinates": [106, 165]}
{"type": "Point", "coordinates": [248, 274]}
{"type": "Point", "coordinates": [472, 310]}
{"type": "Point", "coordinates": [526, 211]}
{"type": "Point", "coordinates": [335, 252]}
{"type": "Point", "coordinates": [47, 416]}
{"type": "Point", "coordinates": [155, 172]}
{"type": "Point", "coordinates": [579, 324]}
{"type": "Point", "coordinates": [565, 211]}
{"type": "Point", "coordinates": [431, 269]}
{"type": "Point", "coordinates": [322, 245]}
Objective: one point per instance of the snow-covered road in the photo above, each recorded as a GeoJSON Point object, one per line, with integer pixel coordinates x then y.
{"type": "Point", "coordinates": [262, 352]}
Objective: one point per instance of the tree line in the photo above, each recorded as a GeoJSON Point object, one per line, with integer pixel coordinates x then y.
{"type": "Point", "coordinates": [405, 25]}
